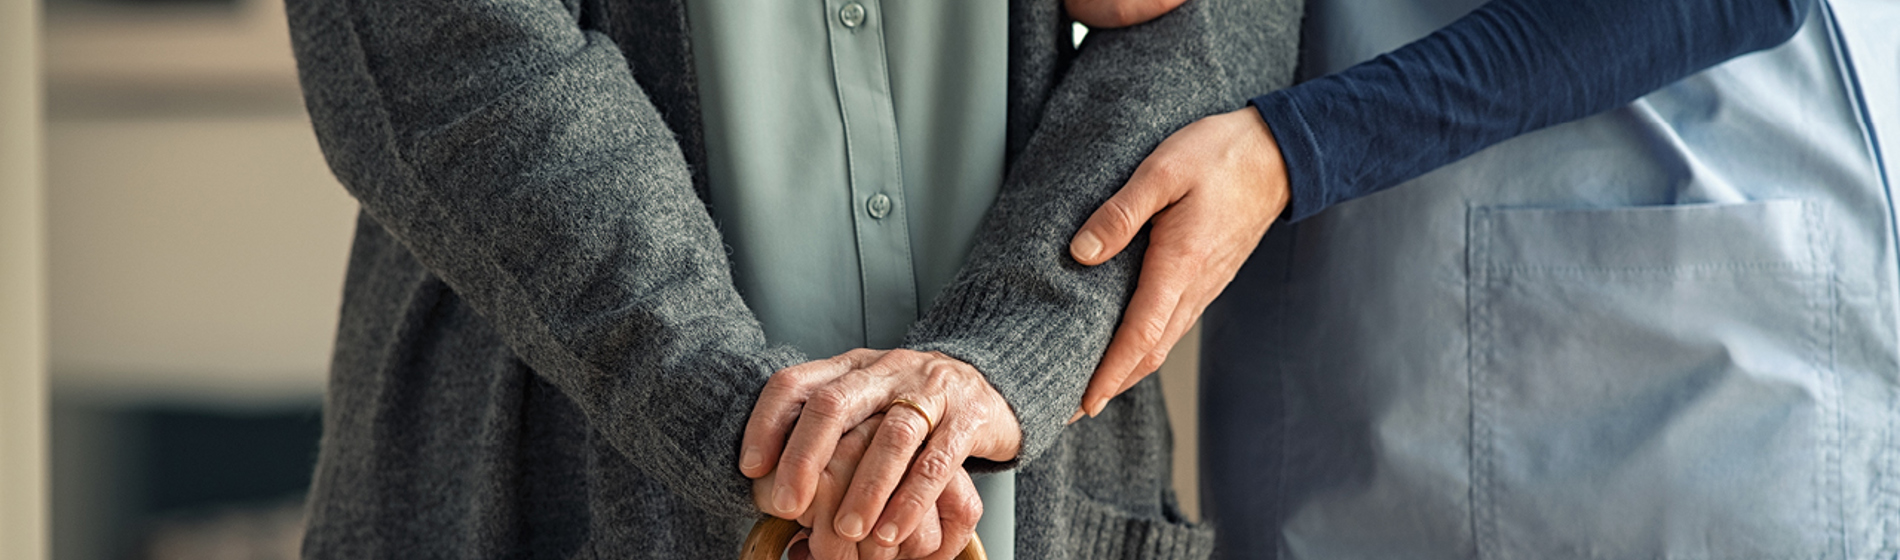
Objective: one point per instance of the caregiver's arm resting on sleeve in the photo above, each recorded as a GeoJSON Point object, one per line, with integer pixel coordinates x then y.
{"type": "Point", "coordinates": [1510, 67]}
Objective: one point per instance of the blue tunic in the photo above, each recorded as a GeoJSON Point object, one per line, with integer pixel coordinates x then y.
{"type": "Point", "coordinates": [1667, 330]}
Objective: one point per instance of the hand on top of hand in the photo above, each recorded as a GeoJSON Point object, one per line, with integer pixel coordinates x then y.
{"type": "Point", "coordinates": [871, 482]}
{"type": "Point", "coordinates": [960, 509]}
{"type": "Point", "coordinates": [1106, 14]}
{"type": "Point", "coordinates": [1211, 189]}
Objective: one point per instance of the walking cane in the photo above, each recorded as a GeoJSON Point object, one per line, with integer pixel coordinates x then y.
{"type": "Point", "coordinates": [771, 535]}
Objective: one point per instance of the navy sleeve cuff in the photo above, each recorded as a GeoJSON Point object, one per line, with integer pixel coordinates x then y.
{"type": "Point", "coordinates": [1305, 175]}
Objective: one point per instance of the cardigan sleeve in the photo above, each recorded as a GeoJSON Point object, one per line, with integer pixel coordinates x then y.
{"type": "Point", "coordinates": [1033, 320]}
{"type": "Point", "coordinates": [515, 156]}
{"type": "Point", "coordinates": [1510, 67]}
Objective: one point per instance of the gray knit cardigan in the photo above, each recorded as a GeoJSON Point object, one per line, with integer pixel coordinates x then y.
{"type": "Point", "coordinates": [541, 352]}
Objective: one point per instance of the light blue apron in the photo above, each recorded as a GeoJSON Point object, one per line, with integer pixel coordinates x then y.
{"type": "Point", "coordinates": [1665, 331]}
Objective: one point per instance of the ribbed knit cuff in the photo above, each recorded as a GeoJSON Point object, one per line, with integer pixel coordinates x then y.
{"type": "Point", "coordinates": [704, 473]}
{"type": "Point", "coordinates": [1101, 532]}
{"type": "Point", "coordinates": [1305, 177]}
{"type": "Point", "coordinates": [1039, 359]}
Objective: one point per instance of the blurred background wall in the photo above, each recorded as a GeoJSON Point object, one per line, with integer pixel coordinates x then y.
{"type": "Point", "coordinates": [196, 246]}
{"type": "Point", "coordinates": [22, 289]}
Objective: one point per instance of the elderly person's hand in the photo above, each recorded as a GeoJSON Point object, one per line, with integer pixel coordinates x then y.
{"type": "Point", "coordinates": [958, 508]}
{"type": "Point", "coordinates": [938, 411]}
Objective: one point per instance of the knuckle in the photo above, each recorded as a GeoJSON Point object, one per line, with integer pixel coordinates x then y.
{"type": "Point", "coordinates": [868, 550]}
{"type": "Point", "coordinates": [1177, 266]}
{"type": "Point", "coordinates": [961, 427]}
{"type": "Point", "coordinates": [1166, 170]}
{"type": "Point", "coordinates": [787, 381]}
{"type": "Point", "coordinates": [799, 462]}
{"type": "Point", "coordinates": [935, 466]}
{"type": "Point", "coordinates": [829, 402]}
{"type": "Point", "coordinates": [1149, 330]}
{"type": "Point", "coordinates": [942, 374]}
{"type": "Point", "coordinates": [865, 486]}
{"type": "Point", "coordinates": [905, 435]}
{"type": "Point", "coordinates": [920, 359]}
{"type": "Point", "coordinates": [1194, 252]}
{"type": "Point", "coordinates": [895, 360]}
{"type": "Point", "coordinates": [1122, 220]}
{"type": "Point", "coordinates": [1147, 366]}
{"type": "Point", "coordinates": [975, 412]}
{"type": "Point", "coordinates": [966, 508]}
{"type": "Point", "coordinates": [908, 503]}
{"type": "Point", "coordinates": [1158, 357]}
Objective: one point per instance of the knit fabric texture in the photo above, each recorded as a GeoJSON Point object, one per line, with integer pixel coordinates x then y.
{"type": "Point", "coordinates": [540, 351]}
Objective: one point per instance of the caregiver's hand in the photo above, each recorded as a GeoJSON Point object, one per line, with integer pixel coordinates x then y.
{"type": "Point", "coordinates": [959, 509]}
{"type": "Point", "coordinates": [1104, 14]}
{"type": "Point", "coordinates": [1212, 188]}
{"type": "Point", "coordinates": [896, 482]}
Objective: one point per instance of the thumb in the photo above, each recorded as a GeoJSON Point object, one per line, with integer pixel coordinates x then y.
{"type": "Point", "coordinates": [776, 412]}
{"type": "Point", "coordinates": [1113, 226]}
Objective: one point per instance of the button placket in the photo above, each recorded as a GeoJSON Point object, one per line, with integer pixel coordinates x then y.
{"type": "Point", "coordinates": [862, 77]}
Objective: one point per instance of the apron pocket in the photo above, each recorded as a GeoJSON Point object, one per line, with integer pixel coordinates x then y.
{"type": "Point", "coordinates": [1652, 382]}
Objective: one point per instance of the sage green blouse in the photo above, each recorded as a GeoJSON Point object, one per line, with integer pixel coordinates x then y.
{"type": "Point", "coordinates": [853, 148]}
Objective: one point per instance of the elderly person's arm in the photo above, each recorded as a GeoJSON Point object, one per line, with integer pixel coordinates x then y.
{"type": "Point", "coordinates": [514, 154]}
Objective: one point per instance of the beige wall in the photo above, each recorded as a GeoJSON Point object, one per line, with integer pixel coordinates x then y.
{"type": "Point", "coordinates": [22, 289]}
{"type": "Point", "coordinates": [193, 259]}
{"type": "Point", "coordinates": [1180, 382]}
{"type": "Point", "coordinates": [196, 238]}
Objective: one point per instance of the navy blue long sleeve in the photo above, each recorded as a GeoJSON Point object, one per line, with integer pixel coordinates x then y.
{"type": "Point", "coordinates": [1510, 67]}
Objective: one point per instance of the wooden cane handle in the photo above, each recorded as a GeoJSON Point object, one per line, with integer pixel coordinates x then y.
{"type": "Point", "coordinates": [771, 535]}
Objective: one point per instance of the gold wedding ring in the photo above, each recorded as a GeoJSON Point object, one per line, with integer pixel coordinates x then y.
{"type": "Point", "coordinates": [928, 421]}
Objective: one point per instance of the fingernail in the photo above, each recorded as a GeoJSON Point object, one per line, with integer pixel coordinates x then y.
{"type": "Point", "coordinates": [784, 500]}
{"type": "Point", "coordinates": [1086, 245]}
{"type": "Point", "coordinates": [887, 533]}
{"type": "Point", "coordinates": [1095, 406]}
{"type": "Point", "coordinates": [752, 459]}
{"type": "Point", "coordinates": [1078, 416]}
{"type": "Point", "coordinates": [852, 526]}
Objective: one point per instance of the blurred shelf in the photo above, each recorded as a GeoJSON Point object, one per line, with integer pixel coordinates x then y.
{"type": "Point", "coordinates": [247, 43]}
{"type": "Point", "coordinates": [195, 59]}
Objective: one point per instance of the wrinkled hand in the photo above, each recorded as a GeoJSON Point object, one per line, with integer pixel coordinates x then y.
{"type": "Point", "coordinates": [895, 482]}
{"type": "Point", "coordinates": [1212, 189]}
{"type": "Point", "coordinates": [1105, 14]}
{"type": "Point", "coordinates": [960, 497]}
